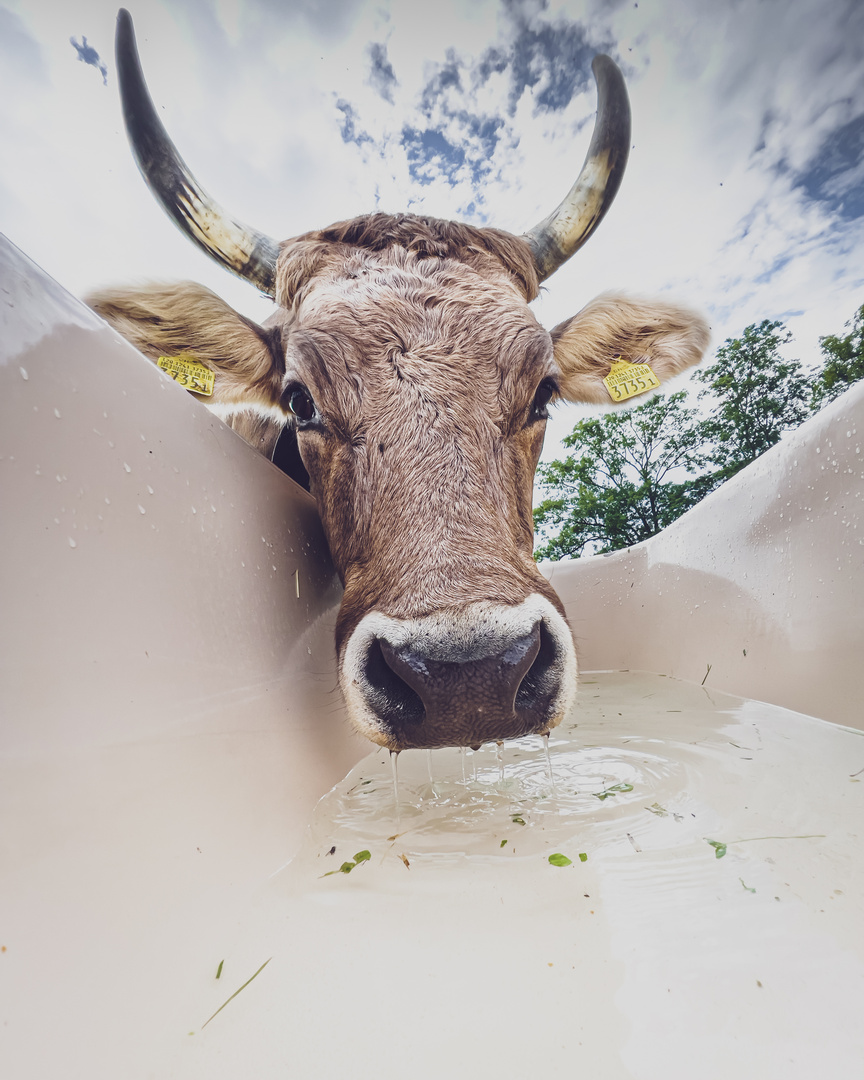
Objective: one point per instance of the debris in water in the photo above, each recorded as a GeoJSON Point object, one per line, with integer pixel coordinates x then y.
{"type": "Point", "coordinates": [616, 789]}
{"type": "Point", "coordinates": [720, 848]}
{"type": "Point", "coordinates": [518, 819]}
{"type": "Point", "coordinates": [347, 867]}
{"type": "Point", "coordinates": [583, 856]}
{"type": "Point", "coordinates": [560, 860]}
{"type": "Point", "coordinates": [219, 969]}
{"type": "Point", "coordinates": [404, 859]}
{"type": "Point", "coordinates": [236, 992]}
{"type": "Point", "coordinates": [332, 851]}
{"type": "Point", "coordinates": [747, 887]}
{"type": "Point", "coordinates": [656, 808]}
{"type": "Point", "coordinates": [503, 843]}
{"type": "Point", "coordinates": [633, 842]}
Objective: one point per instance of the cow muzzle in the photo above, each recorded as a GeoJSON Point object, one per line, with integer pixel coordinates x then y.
{"type": "Point", "coordinates": [460, 677]}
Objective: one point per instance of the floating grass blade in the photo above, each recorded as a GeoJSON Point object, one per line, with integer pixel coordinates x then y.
{"type": "Point", "coordinates": [236, 992]}
{"type": "Point", "coordinates": [720, 847]}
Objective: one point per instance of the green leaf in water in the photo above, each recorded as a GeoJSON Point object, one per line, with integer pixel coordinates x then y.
{"type": "Point", "coordinates": [656, 808]}
{"type": "Point", "coordinates": [219, 969]}
{"type": "Point", "coordinates": [747, 887]}
{"type": "Point", "coordinates": [616, 789]}
{"type": "Point", "coordinates": [559, 860]}
{"type": "Point", "coordinates": [503, 842]}
{"type": "Point", "coordinates": [347, 867]}
{"type": "Point", "coordinates": [583, 856]}
{"type": "Point", "coordinates": [719, 848]}
{"type": "Point", "coordinates": [518, 819]}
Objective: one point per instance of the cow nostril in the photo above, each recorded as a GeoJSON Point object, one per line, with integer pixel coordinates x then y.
{"type": "Point", "coordinates": [391, 697]}
{"type": "Point", "coordinates": [541, 681]}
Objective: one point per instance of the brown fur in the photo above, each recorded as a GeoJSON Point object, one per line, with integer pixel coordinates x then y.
{"type": "Point", "coordinates": [164, 320]}
{"type": "Point", "coordinates": [666, 336]}
{"type": "Point", "coordinates": [326, 250]}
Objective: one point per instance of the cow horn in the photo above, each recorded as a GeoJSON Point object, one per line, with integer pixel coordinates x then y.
{"type": "Point", "coordinates": [567, 228]}
{"type": "Point", "coordinates": [245, 252]}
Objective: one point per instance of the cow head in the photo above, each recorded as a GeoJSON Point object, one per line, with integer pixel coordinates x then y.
{"type": "Point", "coordinates": [406, 363]}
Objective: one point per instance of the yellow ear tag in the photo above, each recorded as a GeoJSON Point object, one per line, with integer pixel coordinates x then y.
{"type": "Point", "coordinates": [186, 370]}
{"type": "Point", "coordinates": [627, 380]}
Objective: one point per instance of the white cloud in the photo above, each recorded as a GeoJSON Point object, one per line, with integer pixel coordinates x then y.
{"type": "Point", "coordinates": [733, 106]}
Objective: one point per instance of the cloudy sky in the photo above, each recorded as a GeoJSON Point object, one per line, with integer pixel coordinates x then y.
{"type": "Point", "coordinates": [744, 194]}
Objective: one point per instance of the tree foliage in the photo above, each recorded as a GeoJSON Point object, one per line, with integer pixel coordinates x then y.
{"type": "Point", "coordinates": [844, 362]}
{"type": "Point", "coordinates": [631, 473]}
{"type": "Point", "coordinates": [754, 395]}
{"type": "Point", "coordinates": [617, 488]}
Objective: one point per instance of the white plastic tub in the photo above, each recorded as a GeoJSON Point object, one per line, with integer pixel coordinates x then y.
{"type": "Point", "coordinates": [170, 718]}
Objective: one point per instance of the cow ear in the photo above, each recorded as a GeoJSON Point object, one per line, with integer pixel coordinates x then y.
{"type": "Point", "coordinates": [667, 337]}
{"type": "Point", "coordinates": [167, 320]}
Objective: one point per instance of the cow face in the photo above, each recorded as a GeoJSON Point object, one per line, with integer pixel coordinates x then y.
{"type": "Point", "coordinates": [419, 388]}
{"type": "Point", "coordinates": [406, 362]}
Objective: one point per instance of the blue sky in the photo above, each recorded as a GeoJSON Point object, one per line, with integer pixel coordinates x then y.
{"type": "Point", "coordinates": [744, 194]}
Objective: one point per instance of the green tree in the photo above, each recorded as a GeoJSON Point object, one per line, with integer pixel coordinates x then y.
{"type": "Point", "coordinates": [626, 479]}
{"type": "Point", "coordinates": [754, 395]}
{"type": "Point", "coordinates": [844, 362]}
{"type": "Point", "coordinates": [633, 473]}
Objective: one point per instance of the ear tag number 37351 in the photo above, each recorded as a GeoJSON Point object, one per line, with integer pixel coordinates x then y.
{"type": "Point", "coordinates": [186, 370]}
{"type": "Point", "coordinates": [627, 380]}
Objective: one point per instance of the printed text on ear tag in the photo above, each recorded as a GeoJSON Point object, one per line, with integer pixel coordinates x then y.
{"type": "Point", "coordinates": [627, 380]}
{"type": "Point", "coordinates": [186, 370]}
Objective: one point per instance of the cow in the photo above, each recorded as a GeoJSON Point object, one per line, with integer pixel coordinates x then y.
{"type": "Point", "coordinates": [406, 370]}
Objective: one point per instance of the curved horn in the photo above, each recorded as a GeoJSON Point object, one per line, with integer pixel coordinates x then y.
{"type": "Point", "coordinates": [567, 228]}
{"type": "Point", "coordinates": [245, 252]}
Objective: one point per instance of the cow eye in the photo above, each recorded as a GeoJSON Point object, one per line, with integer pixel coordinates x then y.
{"type": "Point", "coordinates": [300, 403]}
{"type": "Point", "coordinates": [545, 392]}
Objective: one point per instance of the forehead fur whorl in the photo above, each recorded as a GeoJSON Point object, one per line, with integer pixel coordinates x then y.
{"type": "Point", "coordinates": [488, 251]}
